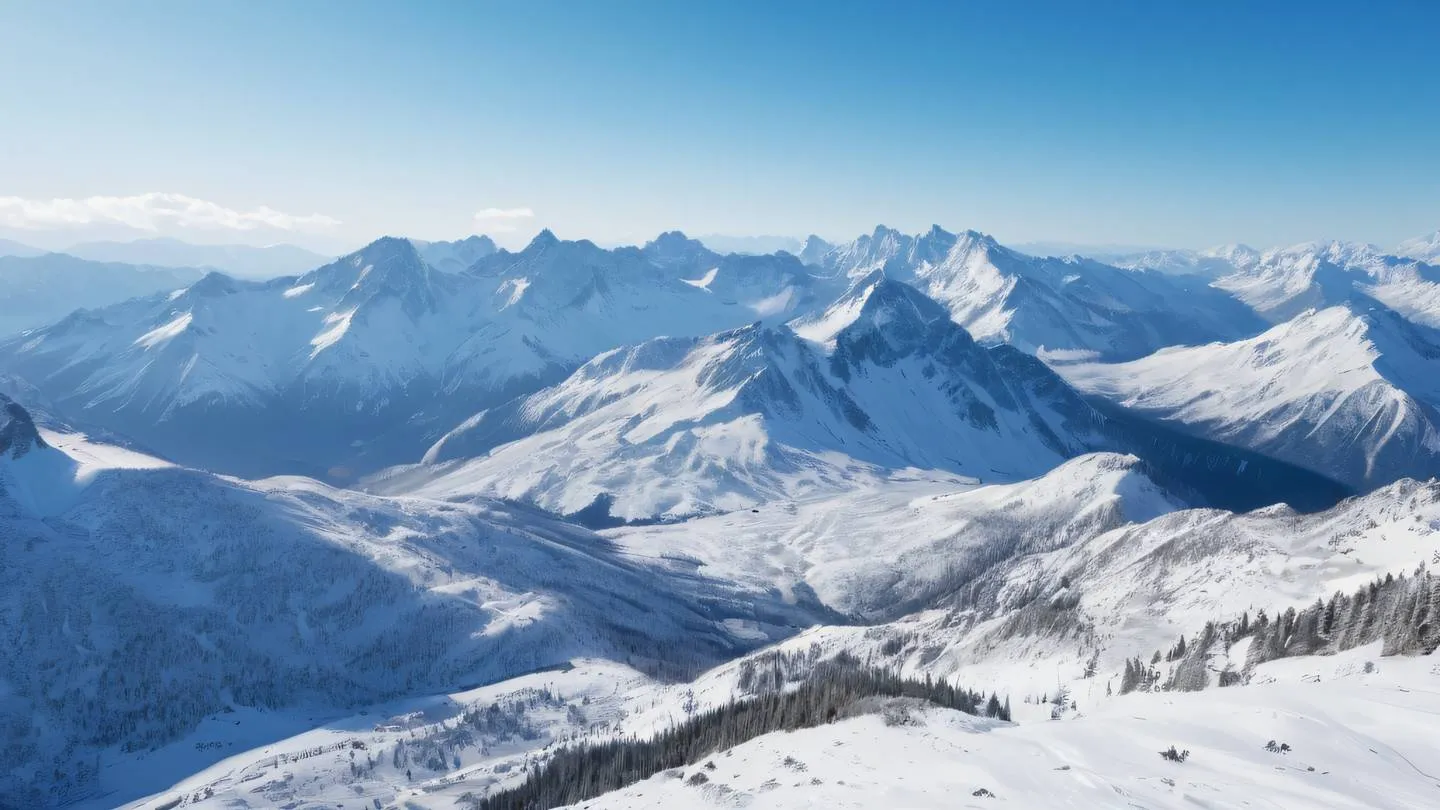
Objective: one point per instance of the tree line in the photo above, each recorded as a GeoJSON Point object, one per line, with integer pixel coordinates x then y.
{"type": "Point", "coordinates": [833, 690]}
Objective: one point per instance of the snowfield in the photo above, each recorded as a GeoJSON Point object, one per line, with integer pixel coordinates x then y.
{"type": "Point", "coordinates": [1357, 729]}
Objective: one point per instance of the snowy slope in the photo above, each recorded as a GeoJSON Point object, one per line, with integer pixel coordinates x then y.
{"type": "Point", "coordinates": [366, 361]}
{"type": "Point", "coordinates": [1355, 726]}
{"type": "Point", "coordinates": [40, 289]}
{"type": "Point", "coordinates": [154, 596]}
{"type": "Point", "coordinates": [676, 427]}
{"type": "Point", "coordinates": [1123, 575]}
{"type": "Point", "coordinates": [1361, 741]}
{"type": "Point", "coordinates": [1349, 392]}
{"type": "Point", "coordinates": [1039, 618]}
{"type": "Point", "coordinates": [1280, 284]}
{"type": "Point", "coordinates": [1425, 248]}
{"type": "Point", "coordinates": [883, 551]}
{"type": "Point", "coordinates": [1056, 305]}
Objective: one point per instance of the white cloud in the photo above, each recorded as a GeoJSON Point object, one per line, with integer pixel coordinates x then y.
{"type": "Point", "coordinates": [500, 220]}
{"type": "Point", "coordinates": [504, 213]}
{"type": "Point", "coordinates": [151, 212]}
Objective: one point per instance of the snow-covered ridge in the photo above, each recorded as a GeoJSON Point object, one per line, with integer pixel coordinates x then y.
{"type": "Point", "coordinates": [1425, 248]}
{"type": "Point", "coordinates": [155, 596]}
{"type": "Point", "coordinates": [37, 290]}
{"type": "Point", "coordinates": [1349, 392]}
{"type": "Point", "coordinates": [1035, 304]}
{"type": "Point", "coordinates": [363, 362]}
{"type": "Point", "coordinates": [675, 427]}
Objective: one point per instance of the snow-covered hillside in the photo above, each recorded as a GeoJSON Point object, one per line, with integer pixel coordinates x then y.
{"type": "Point", "coordinates": [1349, 392]}
{"type": "Point", "coordinates": [1055, 305]}
{"type": "Point", "coordinates": [1282, 283]}
{"type": "Point", "coordinates": [1359, 740]}
{"type": "Point", "coordinates": [37, 290]}
{"type": "Point", "coordinates": [883, 551]}
{"type": "Point", "coordinates": [366, 361]}
{"type": "Point", "coordinates": [152, 596]}
{"type": "Point", "coordinates": [1425, 248]}
{"type": "Point", "coordinates": [676, 427]}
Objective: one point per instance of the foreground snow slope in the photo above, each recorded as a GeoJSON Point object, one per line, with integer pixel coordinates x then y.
{"type": "Point", "coordinates": [1351, 392]}
{"type": "Point", "coordinates": [1097, 567]}
{"type": "Point", "coordinates": [153, 596]}
{"type": "Point", "coordinates": [1357, 741]}
{"type": "Point", "coordinates": [1356, 725]}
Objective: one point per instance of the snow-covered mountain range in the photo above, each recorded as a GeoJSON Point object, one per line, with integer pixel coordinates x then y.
{"type": "Point", "coordinates": [41, 289]}
{"type": "Point", "coordinates": [1425, 248]}
{"type": "Point", "coordinates": [246, 261]}
{"type": "Point", "coordinates": [675, 427]}
{"type": "Point", "coordinates": [1281, 283]}
{"type": "Point", "coordinates": [453, 257]}
{"type": "Point", "coordinates": [363, 362]}
{"type": "Point", "coordinates": [1055, 479]}
{"type": "Point", "coordinates": [1047, 304]}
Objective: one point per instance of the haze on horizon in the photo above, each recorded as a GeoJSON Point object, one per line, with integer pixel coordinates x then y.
{"type": "Point", "coordinates": [1139, 124]}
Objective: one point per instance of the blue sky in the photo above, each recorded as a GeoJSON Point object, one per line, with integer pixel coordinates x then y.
{"type": "Point", "coordinates": [1165, 123]}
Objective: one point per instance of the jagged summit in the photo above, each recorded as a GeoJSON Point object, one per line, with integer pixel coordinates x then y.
{"type": "Point", "coordinates": [1346, 391]}
{"type": "Point", "coordinates": [544, 239]}
{"type": "Point", "coordinates": [214, 283]}
{"type": "Point", "coordinates": [18, 434]}
{"type": "Point", "coordinates": [675, 249]}
{"type": "Point", "coordinates": [455, 257]}
{"type": "Point", "coordinates": [813, 250]}
{"type": "Point", "coordinates": [1425, 248]}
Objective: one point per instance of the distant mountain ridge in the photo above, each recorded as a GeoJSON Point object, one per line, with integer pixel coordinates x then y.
{"type": "Point", "coordinates": [363, 362]}
{"type": "Point", "coordinates": [1349, 391]}
{"type": "Point", "coordinates": [1047, 304]}
{"type": "Point", "coordinates": [672, 428]}
{"type": "Point", "coordinates": [41, 289]}
{"type": "Point", "coordinates": [239, 260]}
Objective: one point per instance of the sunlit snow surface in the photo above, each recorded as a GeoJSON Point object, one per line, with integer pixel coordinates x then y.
{"type": "Point", "coordinates": [1358, 740]}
